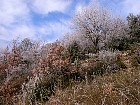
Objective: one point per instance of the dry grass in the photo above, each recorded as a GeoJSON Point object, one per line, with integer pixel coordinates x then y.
{"type": "Point", "coordinates": [120, 88]}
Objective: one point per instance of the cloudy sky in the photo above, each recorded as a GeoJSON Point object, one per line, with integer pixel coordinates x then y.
{"type": "Point", "coordinates": [48, 19]}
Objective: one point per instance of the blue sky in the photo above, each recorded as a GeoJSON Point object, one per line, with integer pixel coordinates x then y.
{"type": "Point", "coordinates": [49, 20]}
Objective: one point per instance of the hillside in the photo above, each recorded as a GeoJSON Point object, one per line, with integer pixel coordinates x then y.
{"type": "Point", "coordinates": [103, 78]}
{"type": "Point", "coordinates": [97, 62]}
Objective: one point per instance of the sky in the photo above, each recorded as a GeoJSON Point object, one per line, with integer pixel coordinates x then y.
{"type": "Point", "coordinates": [49, 20]}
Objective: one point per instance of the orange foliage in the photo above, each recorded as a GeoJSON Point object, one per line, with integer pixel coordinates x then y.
{"type": "Point", "coordinates": [53, 60]}
{"type": "Point", "coordinates": [3, 67]}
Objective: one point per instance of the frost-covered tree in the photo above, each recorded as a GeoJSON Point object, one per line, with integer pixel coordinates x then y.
{"type": "Point", "coordinates": [96, 27]}
{"type": "Point", "coordinates": [25, 44]}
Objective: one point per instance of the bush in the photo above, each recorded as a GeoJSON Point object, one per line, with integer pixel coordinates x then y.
{"type": "Point", "coordinates": [120, 44]}
{"type": "Point", "coordinates": [75, 52]}
{"type": "Point", "coordinates": [89, 68]}
{"type": "Point", "coordinates": [120, 63]}
{"type": "Point", "coordinates": [112, 61]}
{"type": "Point", "coordinates": [134, 26]}
{"type": "Point", "coordinates": [135, 54]}
{"type": "Point", "coordinates": [40, 90]}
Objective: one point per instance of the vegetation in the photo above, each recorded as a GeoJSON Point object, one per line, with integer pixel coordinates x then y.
{"type": "Point", "coordinates": [134, 26]}
{"type": "Point", "coordinates": [98, 63]}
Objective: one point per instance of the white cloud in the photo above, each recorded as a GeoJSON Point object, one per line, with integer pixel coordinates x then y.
{"type": "Point", "coordinates": [52, 31]}
{"type": "Point", "coordinates": [23, 31]}
{"type": "Point", "coordinates": [13, 11]}
{"type": "Point", "coordinates": [55, 30]}
{"type": "Point", "coordinates": [131, 6]}
{"type": "Point", "coordinates": [16, 18]}
{"type": "Point", "coordinates": [46, 6]}
{"type": "Point", "coordinates": [20, 30]}
{"type": "Point", "coordinates": [81, 5]}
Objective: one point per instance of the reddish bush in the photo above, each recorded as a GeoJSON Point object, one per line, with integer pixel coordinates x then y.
{"type": "Point", "coordinates": [3, 67]}
{"type": "Point", "coordinates": [53, 60]}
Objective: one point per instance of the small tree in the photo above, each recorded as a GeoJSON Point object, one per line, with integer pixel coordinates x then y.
{"type": "Point", "coordinates": [134, 26]}
{"type": "Point", "coordinates": [26, 44]}
{"type": "Point", "coordinates": [75, 51]}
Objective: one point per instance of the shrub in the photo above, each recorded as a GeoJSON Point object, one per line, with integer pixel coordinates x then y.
{"type": "Point", "coordinates": [75, 52]}
{"type": "Point", "coordinates": [112, 61]}
{"type": "Point", "coordinates": [91, 67]}
{"type": "Point", "coordinates": [40, 90]}
{"type": "Point", "coordinates": [120, 44]}
{"type": "Point", "coordinates": [53, 70]}
{"type": "Point", "coordinates": [134, 26]}
{"type": "Point", "coordinates": [135, 55]}
{"type": "Point", "coordinates": [120, 63]}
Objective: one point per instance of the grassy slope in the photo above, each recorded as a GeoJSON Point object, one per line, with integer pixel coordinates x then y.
{"type": "Point", "coordinates": [119, 88]}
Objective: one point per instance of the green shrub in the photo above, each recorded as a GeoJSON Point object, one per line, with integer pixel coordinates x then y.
{"type": "Point", "coordinates": [120, 44]}
{"type": "Point", "coordinates": [97, 68]}
{"type": "Point", "coordinates": [40, 90]}
{"type": "Point", "coordinates": [75, 52]}
{"type": "Point", "coordinates": [134, 26]}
